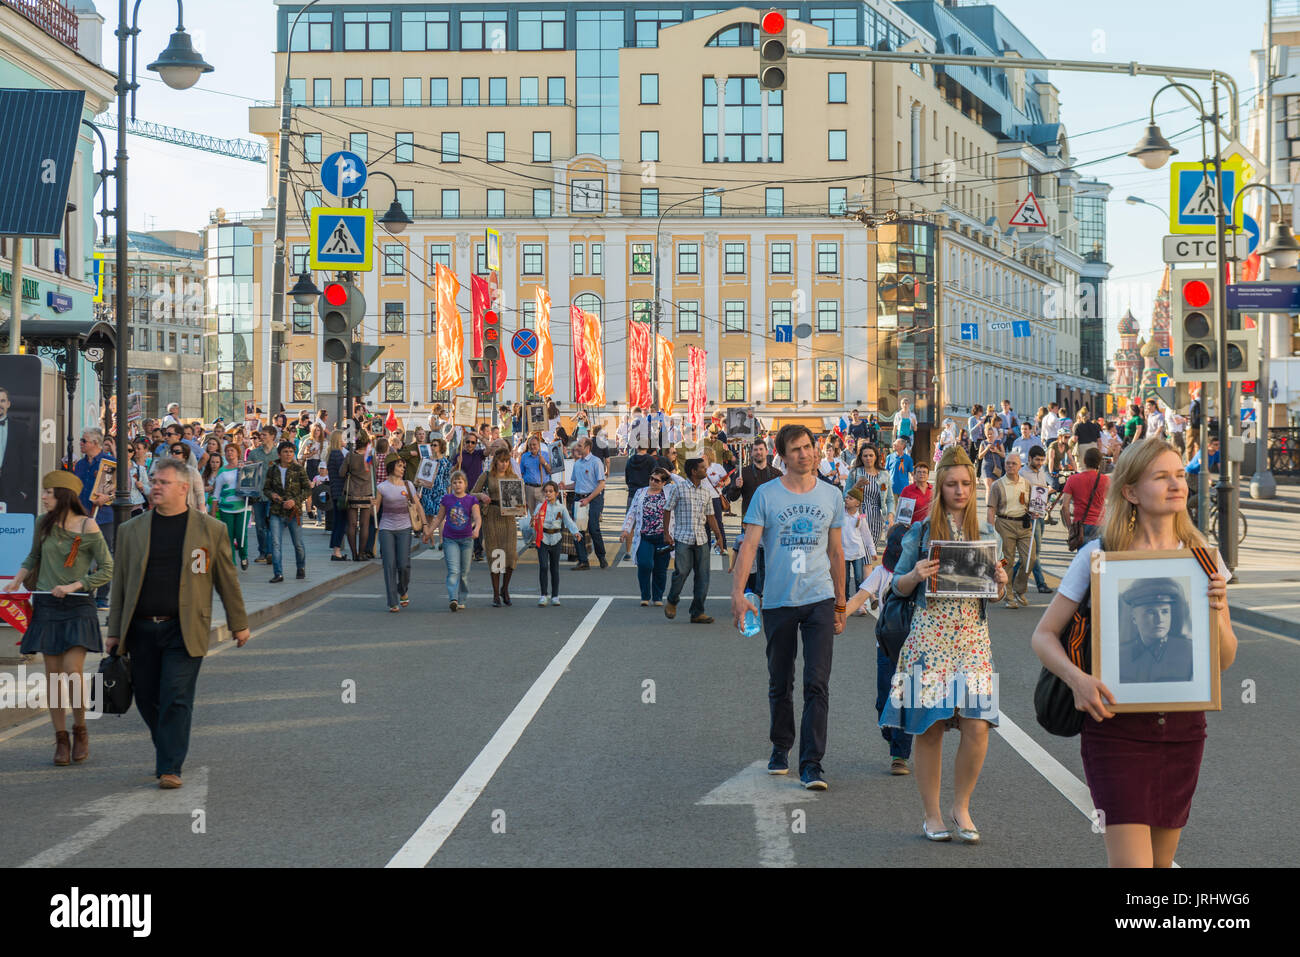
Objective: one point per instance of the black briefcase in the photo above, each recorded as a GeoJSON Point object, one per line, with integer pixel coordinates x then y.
{"type": "Point", "coordinates": [112, 694]}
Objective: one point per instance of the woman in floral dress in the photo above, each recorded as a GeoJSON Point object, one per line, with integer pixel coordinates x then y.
{"type": "Point", "coordinates": [431, 497]}
{"type": "Point", "coordinates": [944, 677]}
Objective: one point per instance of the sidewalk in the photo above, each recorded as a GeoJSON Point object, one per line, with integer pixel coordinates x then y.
{"type": "Point", "coordinates": [262, 601]}
{"type": "Point", "coordinates": [1287, 499]}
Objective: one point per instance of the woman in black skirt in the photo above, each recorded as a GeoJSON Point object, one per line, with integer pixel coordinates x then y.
{"type": "Point", "coordinates": [1141, 767]}
{"type": "Point", "coordinates": [65, 624]}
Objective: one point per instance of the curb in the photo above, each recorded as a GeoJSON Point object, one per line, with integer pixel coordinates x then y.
{"type": "Point", "coordinates": [1259, 505]}
{"type": "Point", "coordinates": [1263, 621]}
{"type": "Point", "coordinates": [221, 632]}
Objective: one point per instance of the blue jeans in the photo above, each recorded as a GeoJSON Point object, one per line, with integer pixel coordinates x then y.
{"type": "Point", "coordinates": [395, 549]}
{"type": "Point", "coordinates": [1090, 532]}
{"type": "Point", "coordinates": [261, 515]}
{"type": "Point", "coordinates": [686, 559]}
{"type": "Point", "coordinates": [783, 626]}
{"type": "Point", "coordinates": [592, 532]}
{"type": "Point", "coordinates": [458, 553]}
{"type": "Point", "coordinates": [852, 573]}
{"type": "Point", "coordinates": [652, 567]}
{"type": "Point", "coordinates": [278, 524]}
{"type": "Point", "coordinates": [163, 676]}
{"type": "Point", "coordinates": [900, 742]}
{"type": "Point", "coordinates": [340, 526]}
{"type": "Point", "coordinates": [1037, 567]}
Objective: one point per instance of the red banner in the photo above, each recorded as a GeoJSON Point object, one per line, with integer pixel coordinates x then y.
{"type": "Point", "coordinates": [450, 338]}
{"type": "Point", "coordinates": [544, 364]}
{"type": "Point", "coordinates": [638, 365]}
{"type": "Point", "coordinates": [481, 300]}
{"type": "Point", "coordinates": [667, 376]}
{"type": "Point", "coordinates": [698, 385]}
{"type": "Point", "coordinates": [16, 612]}
{"type": "Point", "coordinates": [588, 359]}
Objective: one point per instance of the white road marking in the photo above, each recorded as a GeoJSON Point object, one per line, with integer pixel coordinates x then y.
{"type": "Point", "coordinates": [419, 850]}
{"type": "Point", "coordinates": [768, 794]}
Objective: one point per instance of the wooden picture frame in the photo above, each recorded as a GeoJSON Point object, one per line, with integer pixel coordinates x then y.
{"type": "Point", "coordinates": [251, 479]}
{"type": "Point", "coordinates": [1183, 673]}
{"type": "Point", "coordinates": [426, 473]}
{"type": "Point", "coordinates": [512, 502]}
{"type": "Point", "coordinates": [105, 480]}
{"type": "Point", "coordinates": [536, 417]}
{"type": "Point", "coordinates": [465, 411]}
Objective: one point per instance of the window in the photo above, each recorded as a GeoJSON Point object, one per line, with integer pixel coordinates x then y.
{"type": "Point", "coordinates": [366, 31]}
{"type": "Point", "coordinates": [411, 91]}
{"type": "Point", "coordinates": [379, 89]}
{"type": "Point", "coordinates": [320, 92]}
{"type": "Point", "coordinates": [837, 144]}
{"type": "Point", "coordinates": [541, 147]}
{"type": "Point", "coordinates": [578, 250]}
{"type": "Point", "coordinates": [745, 117]}
{"type": "Point", "coordinates": [310, 199]}
{"type": "Point", "coordinates": [836, 87]}
{"type": "Point", "coordinates": [394, 318]}
{"type": "Point", "coordinates": [496, 91]}
{"type": "Point", "coordinates": [541, 29]}
{"type": "Point", "coordinates": [642, 310]}
{"type": "Point", "coordinates": [650, 202]}
{"type": "Point", "coordinates": [405, 152]}
{"type": "Point", "coordinates": [354, 92]}
{"type": "Point", "coordinates": [480, 259]}
{"type": "Point", "coordinates": [648, 23]}
{"type": "Point", "coordinates": [541, 202]}
{"type": "Point", "coordinates": [439, 253]}
{"type": "Point", "coordinates": [775, 201]}
{"type": "Point", "coordinates": [649, 88]}
{"type": "Point", "coordinates": [649, 146]}
{"type": "Point", "coordinates": [482, 30]}
{"type": "Point", "coordinates": [394, 259]}
{"type": "Point", "coordinates": [837, 200]}
{"type": "Point", "coordinates": [297, 90]}
{"type": "Point", "coordinates": [406, 200]}
{"type": "Point", "coordinates": [733, 380]}
{"type": "Point", "coordinates": [496, 147]}
{"type": "Point", "coordinates": [438, 91]}
{"type": "Point", "coordinates": [555, 90]}
{"type": "Point", "coordinates": [688, 259]}
{"type": "Point", "coordinates": [734, 258]}
{"type": "Point", "coordinates": [299, 258]}
{"type": "Point", "coordinates": [688, 316]}
{"type": "Point", "coordinates": [828, 315]}
{"type": "Point", "coordinates": [683, 380]}
{"type": "Point", "coordinates": [358, 143]}
{"type": "Point", "coordinates": [642, 259]}
{"type": "Point", "coordinates": [781, 259]}
{"type": "Point", "coordinates": [782, 385]}
{"type": "Point", "coordinates": [394, 381]}
{"type": "Point", "coordinates": [528, 314]}
{"type": "Point", "coordinates": [301, 319]}
{"type": "Point", "coordinates": [828, 380]}
{"type": "Point", "coordinates": [533, 260]}
{"type": "Point", "coordinates": [301, 376]}
{"type": "Point", "coordinates": [315, 32]}
{"type": "Point", "coordinates": [828, 258]}
{"type": "Point", "coordinates": [496, 202]}
{"type": "Point", "coordinates": [782, 311]}
{"type": "Point", "coordinates": [469, 91]}
{"type": "Point", "coordinates": [451, 147]}
{"type": "Point", "coordinates": [436, 394]}
{"type": "Point", "coordinates": [450, 203]}
{"type": "Point", "coordinates": [596, 250]}
{"type": "Point", "coordinates": [528, 91]}
{"type": "Point", "coordinates": [425, 31]}
{"type": "Point", "coordinates": [733, 315]}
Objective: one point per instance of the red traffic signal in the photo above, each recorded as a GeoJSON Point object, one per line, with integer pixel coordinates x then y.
{"type": "Point", "coordinates": [773, 21]}
{"type": "Point", "coordinates": [336, 294]}
{"type": "Point", "coordinates": [1196, 293]}
{"type": "Point", "coordinates": [491, 326]}
{"type": "Point", "coordinates": [1248, 387]}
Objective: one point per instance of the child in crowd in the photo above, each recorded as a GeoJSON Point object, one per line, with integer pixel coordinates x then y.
{"type": "Point", "coordinates": [549, 518]}
{"type": "Point", "coordinates": [859, 544]}
{"type": "Point", "coordinates": [873, 589]}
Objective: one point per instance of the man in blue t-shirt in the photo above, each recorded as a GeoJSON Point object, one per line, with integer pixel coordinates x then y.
{"type": "Point", "coordinates": [796, 520]}
{"type": "Point", "coordinates": [97, 506]}
{"type": "Point", "coordinates": [899, 467]}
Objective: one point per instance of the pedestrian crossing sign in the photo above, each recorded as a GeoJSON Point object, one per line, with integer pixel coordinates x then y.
{"type": "Point", "coordinates": [1193, 203]}
{"type": "Point", "coordinates": [342, 239]}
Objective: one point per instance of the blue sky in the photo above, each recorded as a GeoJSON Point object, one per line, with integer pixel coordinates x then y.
{"type": "Point", "coordinates": [177, 188]}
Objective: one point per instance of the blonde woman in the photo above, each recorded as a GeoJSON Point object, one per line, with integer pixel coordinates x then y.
{"type": "Point", "coordinates": [944, 677]}
{"type": "Point", "coordinates": [500, 532]}
{"type": "Point", "coordinates": [1141, 768]}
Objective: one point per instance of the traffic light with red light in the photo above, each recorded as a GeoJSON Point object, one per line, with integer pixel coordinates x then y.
{"type": "Point", "coordinates": [342, 307]}
{"type": "Point", "coordinates": [772, 44]}
{"type": "Point", "coordinates": [491, 336]}
{"type": "Point", "coordinates": [1195, 348]}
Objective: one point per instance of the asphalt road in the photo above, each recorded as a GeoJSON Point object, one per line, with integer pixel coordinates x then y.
{"type": "Point", "coordinates": [535, 735]}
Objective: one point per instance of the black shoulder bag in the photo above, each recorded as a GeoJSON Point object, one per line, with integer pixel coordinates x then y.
{"type": "Point", "coordinates": [113, 695]}
{"type": "Point", "coordinates": [895, 621]}
{"type": "Point", "coordinates": [1053, 698]}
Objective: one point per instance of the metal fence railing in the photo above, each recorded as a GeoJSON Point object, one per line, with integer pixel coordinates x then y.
{"type": "Point", "coordinates": [1284, 452]}
{"type": "Point", "coordinates": [51, 16]}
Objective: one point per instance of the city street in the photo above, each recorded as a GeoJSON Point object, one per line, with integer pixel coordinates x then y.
{"type": "Point", "coordinates": [595, 733]}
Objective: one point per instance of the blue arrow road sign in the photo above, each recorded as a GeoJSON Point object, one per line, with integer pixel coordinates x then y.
{"type": "Point", "coordinates": [524, 343]}
{"type": "Point", "coordinates": [343, 174]}
{"type": "Point", "coordinates": [1252, 230]}
{"type": "Point", "coordinates": [784, 333]}
{"type": "Point", "coordinates": [1021, 329]}
{"type": "Point", "coordinates": [1163, 353]}
{"type": "Point", "coordinates": [970, 330]}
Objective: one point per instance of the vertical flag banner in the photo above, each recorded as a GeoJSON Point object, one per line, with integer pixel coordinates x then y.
{"type": "Point", "coordinates": [638, 365]}
{"type": "Point", "coordinates": [588, 359]}
{"type": "Point", "coordinates": [479, 298]}
{"type": "Point", "coordinates": [450, 341]}
{"type": "Point", "coordinates": [667, 376]}
{"type": "Point", "coordinates": [544, 364]}
{"type": "Point", "coordinates": [698, 385]}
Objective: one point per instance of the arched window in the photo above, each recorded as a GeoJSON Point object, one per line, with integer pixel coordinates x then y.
{"type": "Point", "coordinates": [589, 302]}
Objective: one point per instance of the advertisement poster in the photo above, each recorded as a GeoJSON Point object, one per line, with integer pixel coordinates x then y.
{"type": "Point", "coordinates": [20, 390]}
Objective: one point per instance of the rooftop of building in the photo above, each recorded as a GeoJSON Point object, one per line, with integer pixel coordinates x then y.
{"type": "Point", "coordinates": [172, 243]}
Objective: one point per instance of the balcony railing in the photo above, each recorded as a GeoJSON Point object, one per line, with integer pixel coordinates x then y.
{"type": "Point", "coordinates": [51, 16]}
{"type": "Point", "coordinates": [365, 103]}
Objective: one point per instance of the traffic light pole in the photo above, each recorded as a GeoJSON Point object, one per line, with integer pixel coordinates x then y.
{"type": "Point", "coordinates": [1225, 487]}
{"type": "Point", "coordinates": [492, 391]}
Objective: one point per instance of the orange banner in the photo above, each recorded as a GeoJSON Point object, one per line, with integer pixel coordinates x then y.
{"type": "Point", "coordinates": [698, 385]}
{"type": "Point", "coordinates": [638, 365]}
{"type": "Point", "coordinates": [588, 358]}
{"type": "Point", "coordinates": [451, 331]}
{"type": "Point", "coordinates": [544, 363]}
{"type": "Point", "coordinates": [667, 376]}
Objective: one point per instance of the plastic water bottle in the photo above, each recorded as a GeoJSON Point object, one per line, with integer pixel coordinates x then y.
{"type": "Point", "coordinates": [751, 626]}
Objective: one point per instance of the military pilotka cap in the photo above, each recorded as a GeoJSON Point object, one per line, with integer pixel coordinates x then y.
{"type": "Point", "coordinates": [955, 455]}
{"type": "Point", "coordinates": [61, 479]}
{"type": "Point", "coordinates": [1154, 591]}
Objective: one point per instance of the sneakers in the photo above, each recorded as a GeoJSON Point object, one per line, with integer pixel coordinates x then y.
{"type": "Point", "coordinates": [277, 579]}
{"type": "Point", "coordinates": [555, 601]}
{"type": "Point", "coordinates": [543, 602]}
{"type": "Point", "coordinates": [645, 604]}
{"type": "Point", "coordinates": [778, 763]}
{"type": "Point", "coordinates": [811, 778]}
{"type": "Point", "coordinates": [1011, 604]}
{"type": "Point", "coordinates": [899, 766]}
{"type": "Point", "coordinates": [1024, 602]}
{"type": "Point", "coordinates": [451, 605]}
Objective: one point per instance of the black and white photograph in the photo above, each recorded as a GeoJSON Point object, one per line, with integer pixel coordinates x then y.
{"type": "Point", "coordinates": [512, 496]}
{"type": "Point", "coordinates": [465, 411]}
{"type": "Point", "coordinates": [966, 570]}
{"type": "Point", "coordinates": [426, 450]}
{"type": "Point", "coordinates": [906, 509]}
{"type": "Point", "coordinates": [1038, 495]}
{"type": "Point", "coordinates": [252, 476]}
{"type": "Point", "coordinates": [1155, 641]}
{"type": "Point", "coordinates": [555, 453]}
{"type": "Point", "coordinates": [426, 473]}
{"type": "Point", "coordinates": [106, 479]}
{"type": "Point", "coordinates": [740, 423]}
{"type": "Point", "coordinates": [536, 417]}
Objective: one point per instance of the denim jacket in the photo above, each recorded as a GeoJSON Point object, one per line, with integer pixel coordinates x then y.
{"type": "Point", "coordinates": [916, 543]}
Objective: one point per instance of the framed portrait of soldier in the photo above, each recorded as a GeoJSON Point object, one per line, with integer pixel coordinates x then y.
{"type": "Point", "coordinates": [1155, 639]}
{"type": "Point", "coordinates": [512, 496]}
{"type": "Point", "coordinates": [426, 473]}
{"type": "Point", "coordinates": [536, 417]}
{"type": "Point", "coordinates": [1038, 500]}
{"type": "Point", "coordinates": [906, 507]}
{"type": "Point", "coordinates": [465, 411]}
{"type": "Point", "coordinates": [966, 570]}
{"type": "Point", "coordinates": [250, 479]}
{"type": "Point", "coordinates": [106, 479]}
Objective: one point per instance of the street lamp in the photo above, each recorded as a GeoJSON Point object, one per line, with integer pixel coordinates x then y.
{"type": "Point", "coordinates": [1139, 201]}
{"type": "Point", "coordinates": [654, 342]}
{"type": "Point", "coordinates": [395, 220]}
{"type": "Point", "coordinates": [180, 67]}
{"type": "Point", "coordinates": [304, 291]}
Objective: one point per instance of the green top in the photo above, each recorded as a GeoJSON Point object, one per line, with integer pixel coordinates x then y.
{"type": "Point", "coordinates": [53, 552]}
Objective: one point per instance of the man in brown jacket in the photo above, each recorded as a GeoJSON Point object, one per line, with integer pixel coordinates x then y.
{"type": "Point", "coordinates": [183, 554]}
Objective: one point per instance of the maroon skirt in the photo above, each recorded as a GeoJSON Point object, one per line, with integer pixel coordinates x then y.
{"type": "Point", "coordinates": [1143, 768]}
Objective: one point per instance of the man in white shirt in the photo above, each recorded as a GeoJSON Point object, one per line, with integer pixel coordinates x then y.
{"type": "Point", "coordinates": [173, 415]}
{"type": "Point", "coordinates": [1155, 421]}
{"type": "Point", "coordinates": [1177, 426]}
{"type": "Point", "coordinates": [1006, 418]}
{"type": "Point", "coordinates": [905, 423]}
{"type": "Point", "coordinates": [1051, 423]}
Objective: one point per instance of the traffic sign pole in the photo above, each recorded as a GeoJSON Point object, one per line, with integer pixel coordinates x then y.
{"type": "Point", "coordinates": [1225, 489]}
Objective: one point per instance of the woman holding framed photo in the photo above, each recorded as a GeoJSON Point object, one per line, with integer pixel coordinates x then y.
{"type": "Point", "coordinates": [500, 533]}
{"type": "Point", "coordinates": [1142, 767]}
{"type": "Point", "coordinates": [944, 677]}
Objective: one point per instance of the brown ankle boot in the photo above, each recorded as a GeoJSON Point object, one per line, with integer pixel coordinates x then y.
{"type": "Point", "coordinates": [80, 742]}
{"type": "Point", "coordinates": [62, 748]}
